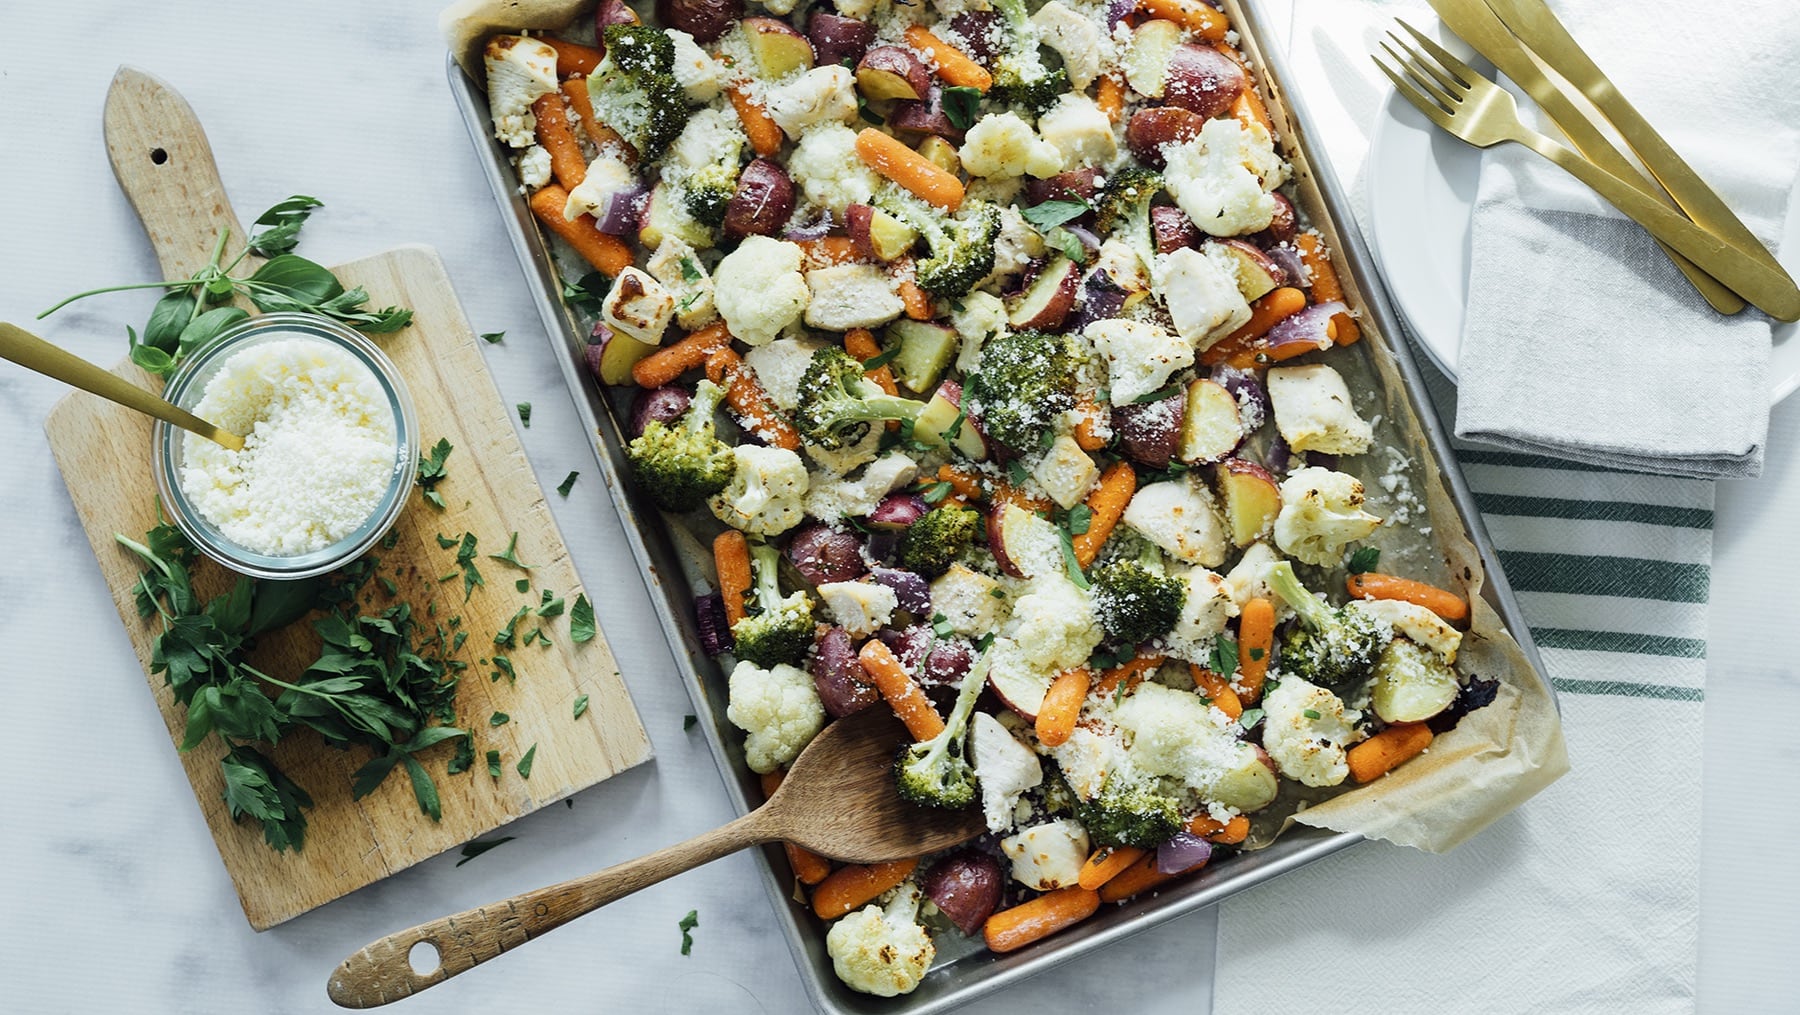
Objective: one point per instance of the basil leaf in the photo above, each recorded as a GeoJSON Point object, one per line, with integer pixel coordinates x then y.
{"type": "Point", "coordinates": [1050, 214]}
{"type": "Point", "coordinates": [203, 329]}
{"type": "Point", "coordinates": [297, 279]}
{"type": "Point", "coordinates": [284, 220]}
{"type": "Point", "coordinates": [167, 319]}
{"type": "Point", "coordinates": [960, 104]}
{"type": "Point", "coordinates": [152, 360]}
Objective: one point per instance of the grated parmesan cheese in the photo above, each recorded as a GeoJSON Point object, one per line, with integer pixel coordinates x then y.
{"type": "Point", "coordinates": [318, 451]}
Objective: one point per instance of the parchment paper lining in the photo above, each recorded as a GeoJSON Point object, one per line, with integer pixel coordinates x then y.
{"type": "Point", "coordinates": [1497, 757]}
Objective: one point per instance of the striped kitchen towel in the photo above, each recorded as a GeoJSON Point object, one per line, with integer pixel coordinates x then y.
{"type": "Point", "coordinates": [1587, 897]}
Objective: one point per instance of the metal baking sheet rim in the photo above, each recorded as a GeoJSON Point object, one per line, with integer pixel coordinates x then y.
{"type": "Point", "coordinates": [977, 974]}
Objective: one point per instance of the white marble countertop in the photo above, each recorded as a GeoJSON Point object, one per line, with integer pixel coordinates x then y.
{"type": "Point", "coordinates": [114, 896]}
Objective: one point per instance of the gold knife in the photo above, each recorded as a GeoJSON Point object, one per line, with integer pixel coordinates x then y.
{"type": "Point", "coordinates": [1478, 26]}
{"type": "Point", "coordinates": [1540, 29]}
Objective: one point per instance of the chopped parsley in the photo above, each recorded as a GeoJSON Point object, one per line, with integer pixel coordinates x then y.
{"type": "Point", "coordinates": [525, 414]}
{"type": "Point", "coordinates": [491, 337]}
{"type": "Point", "coordinates": [525, 762]}
{"type": "Point", "coordinates": [581, 620]}
{"type": "Point", "coordinates": [567, 484]}
{"type": "Point", "coordinates": [581, 706]}
{"type": "Point", "coordinates": [474, 849]}
{"type": "Point", "coordinates": [687, 925]}
{"type": "Point", "coordinates": [1364, 560]}
{"type": "Point", "coordinates": [431, 473]}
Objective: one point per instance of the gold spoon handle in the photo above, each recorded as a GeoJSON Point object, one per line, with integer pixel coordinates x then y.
{"type": "Point", "coordinates": [33, 353]}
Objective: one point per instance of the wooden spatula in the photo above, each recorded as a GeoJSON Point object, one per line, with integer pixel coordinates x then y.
{"type": "Point", "coordinates": [838, 800]}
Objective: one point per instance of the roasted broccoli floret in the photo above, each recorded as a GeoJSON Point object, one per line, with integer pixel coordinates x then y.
{"type": "Point", "coordinates": [838, 402]}
{"type": "Point", "coordinates": [936, 772]}
{"type": "Point", "coordinates": [681, 464]}
{"type": "Point", "coordinates": [1020, 77]}
{"type": "Point", "coordinates": [931, 544]}
{"type": "Point", "coordinates": [1123, 211]}
{"type": "Point", "coordinates": [961, 245]}
{"type": "Point", "coordinates": [1027, 379]}
{"type": "Point", "coordinates": [707, 191]}
{"type": "Point", "coordinates": [1135, 600]}
{"type": "Point", "coordinates": [1332, 646]}
{"type": "Point", "coordinates": [634, 90]}
{"type": "Point", "coordinates": [1130, 811]}
{"type": "Point", "coordinates": [776, 629]}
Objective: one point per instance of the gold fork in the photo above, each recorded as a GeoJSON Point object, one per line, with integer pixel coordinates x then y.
{"type": "Point", "coordinates": [1478, 111]}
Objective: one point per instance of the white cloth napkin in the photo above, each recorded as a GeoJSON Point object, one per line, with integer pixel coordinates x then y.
{"type": "Point", "coordinates": [1582, 340]}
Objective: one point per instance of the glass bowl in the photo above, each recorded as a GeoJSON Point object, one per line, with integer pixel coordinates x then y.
{"type": "Point", "coordinates": [188, 384]}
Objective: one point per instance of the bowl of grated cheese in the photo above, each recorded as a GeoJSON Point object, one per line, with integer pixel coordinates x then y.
{"type": "Point", "coordinates": [330, 447]}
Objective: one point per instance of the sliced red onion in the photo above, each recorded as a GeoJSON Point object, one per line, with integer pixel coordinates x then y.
{"type": "Point", "coordinates": [619, 215]}
{"type": "Point", "coordinates": [1088, 237]}
{"type": "Point", "coordinates": [1309, 326]}
{"type": "Point", "coordinates": [1279, 455]}
{"type": "Point", "coordinates": [1117, 10]}
{"type": "Point", "coordinates": [1183, 852]}
{"type": "Point", "coordinates": [810, 231]}
{"type": "Point", "coordinates": [912, 591]}
{"type": "Point", "coordinates": [1253, 401]}
{"type": "Point", "coordinates": [709, 619]}
{"type": "Point", "coordinates": [1285, 255]}
{"type": "Point", "coordinates": [596, 345]}
{"type": "Point", "coordinates": [883, 544]}
{"type": "Point", "coordinates": [897, 511]}
{"type": "Point", "coordinates": [1101, 298]}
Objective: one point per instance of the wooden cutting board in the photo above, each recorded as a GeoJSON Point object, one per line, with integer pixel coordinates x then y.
{"type": "Point", "coordinates": [165, 165]}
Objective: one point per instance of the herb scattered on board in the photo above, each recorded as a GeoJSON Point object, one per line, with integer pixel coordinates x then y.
{"type": "Point", "coordinates": [567, 484]}
{"type": "Point", "coordinates": [492, 337]}
{"type": "Point", "coordinates": [190, 314]}
{"type": "Point", "coordinates": [511, 555]}
{"type": "Point", "coordinates": [431, 473]}
{"type": "Point", "coordinates": [1364, 560]}
{"type": "Point", "coordinates": [525, 762]}
{"type": "Point", "coordinates": [380, 680]}
{"type": "Point", "coordinates": [687, 925]}
{"type": "Point", "coordinates": [499, 719]}
{"type": "Point", "coordinates": [493, 763]}
{"type": "Point", "coordinates": [525, 414]}
{"type": "Point", "coordinates": [688, 721]}
{"type": "Point", "coordinates": [581, 706]}
{"type": "Point", "coordinates": [581, 620]}
{"type": "Point", "coordinates": [474, 849]}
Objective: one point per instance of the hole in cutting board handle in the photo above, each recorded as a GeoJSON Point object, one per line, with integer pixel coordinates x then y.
{"type": "Point", "coordinates": [423, 957]}
{"type": "Point", "coordinates": [158, 156]}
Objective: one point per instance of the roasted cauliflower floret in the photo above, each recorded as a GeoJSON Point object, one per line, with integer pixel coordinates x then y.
{"type": "Point", "coordinates": [880, 951]}
{"type": "Point", "coordinates": [779, 711]}
{"type": "Point", "coordinates": [1306, 730]}
{"type": "Point", "coordinates": [767, 491]}
{"type": "Point", "coordinates": [519, 71]}
{"type": "Point", "coordinates": [1003, 145]}
{"type": "Point", "coordinates": [759, 289]}
{"type": "Point", "coordinates": [1321, 514]}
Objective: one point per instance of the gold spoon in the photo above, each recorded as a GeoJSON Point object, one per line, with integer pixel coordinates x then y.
{"type": "Point", "coordinates": [33, 353]}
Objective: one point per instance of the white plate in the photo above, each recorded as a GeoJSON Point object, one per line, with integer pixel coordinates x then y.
{"type": "Point", "coordinates": [1421, 190]}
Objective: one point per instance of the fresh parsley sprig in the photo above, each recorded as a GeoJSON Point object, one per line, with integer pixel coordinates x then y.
{"type": "Point", "coordinates": [189, 315]}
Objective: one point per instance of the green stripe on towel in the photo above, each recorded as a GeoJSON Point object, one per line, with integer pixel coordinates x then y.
{"type": "Point", "coordinates": [1607, 511]}
{"type": "Point", "coordinates": [1522, 461]}
{"type": "Point", "coordinates": [1619, 641]}
{"type": "Point", "coordinates": [1623, 577]}
{"type": "Point", "coordinates": [1614, 687]}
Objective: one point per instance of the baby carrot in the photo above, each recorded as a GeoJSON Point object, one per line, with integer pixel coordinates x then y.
{"type": "Point", "coordinates": [558, 138]}
{"type": "Point", "coordinates": [572, 58]}
{"type": "Point", "coordinates": [731, 557]}
{"type": "Point", "coordinates": [604, 137]}
{"type": "Point", "coordinates": [1014, 928]}
{"type": "Point", "coordinates": [749, 402]}
{"type": "Point", "coordinates": [1111, 97]}
{"type": "Point", "coordinates": [1139, 877]}
{"type": "Point", "coordinates": [952, 64]}
{"type": "Point", "coordinates": [608, 254]}
{"type": "Point", "coordinates": [1371, 585]}
{"type": "Point", "coordinates": [765, 136]}
{"type": "Point", "coordinates": [1062, 706]}
{"type": "Point", "coordinates": [1106, 503]}
{"type": "Point", "coordinates": [1218, 689]}
{"type": "Point", "coordinates": [1248, 109]}
{"type": "Point", "coordinates": [1270, 309]}
{"type": "Point", "coordinates": [1256, 638]}
{"type": "Point", "coordinates": [671, 361]}
{"type": "Point", "coordinates": [1087, 427]}
{"type": "Point", "coordinates": [1378, 755]}
{"type": "Point", "coordinates": [917, 301]}
{"type": "Point", "coordinates": [827, 251]}
{"type": "Point", "coordinates": [860, 342]}
{"type": "Point", "coordinates": [1107, 863]}
{"type": "Point", "coordinates": [900, 690]}
{"type": "Point", "coordinates": [1135, 670]}
{"type": "Point", "coordinates": [849, 888]}
{"type": "Point", "coordinates": [1229, 834]}
{"type": "Point", "coordinates": [1326, 286]}
{"type": "Point", "coordinates": [1193, 15]}
{"type": "Point", "coordinates": [909, 169]}
{"type": "Point", "coordinates": [966, 484]}
{"type": "Point", "coordinates": [809, 867]}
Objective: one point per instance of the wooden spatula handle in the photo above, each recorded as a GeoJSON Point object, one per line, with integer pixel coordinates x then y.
{"type": "Point", "coordinates": [165, 165]}
{"type": "Point", "coordinates": [382, 972]}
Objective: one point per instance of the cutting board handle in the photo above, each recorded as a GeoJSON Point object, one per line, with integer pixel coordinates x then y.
{"type": "Point", "coordinates": [164, 164]}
